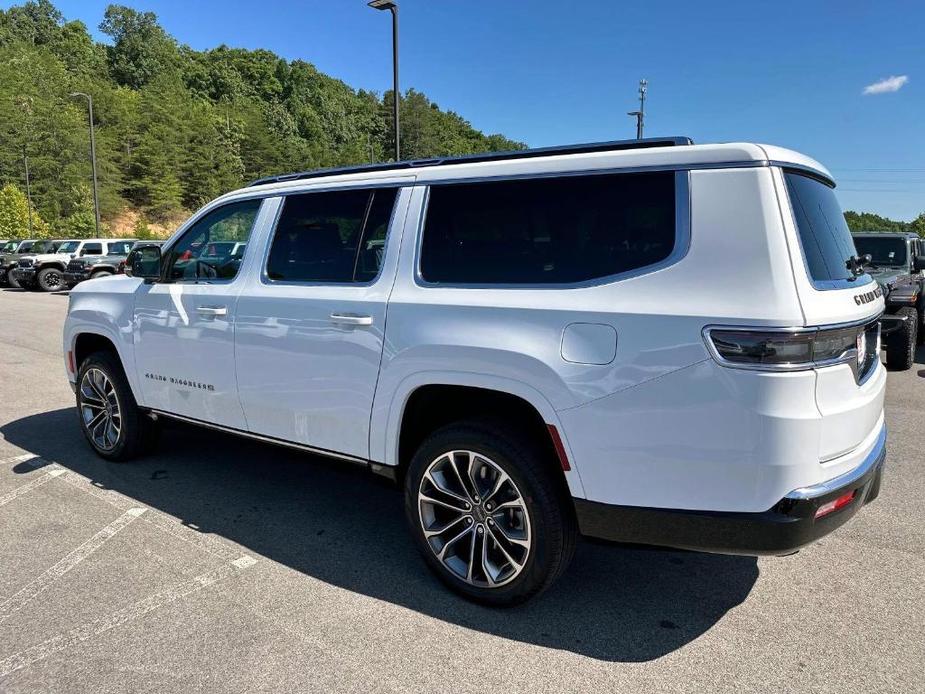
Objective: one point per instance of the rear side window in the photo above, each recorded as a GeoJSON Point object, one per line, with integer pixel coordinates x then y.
{"type": "Point", "coordinates": [548, 231]}
{"type": "Point", "coordinates": [824, 235]}
{"type": "Point", "coordinates": [334, 236]}
{"type": "Point", "coordinates": [92, 249]}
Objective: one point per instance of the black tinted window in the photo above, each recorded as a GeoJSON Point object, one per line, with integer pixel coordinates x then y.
{"type": "Point", "coordinates": [213, 247]}
{"type": "Point", "coordinates": [824, 234]}
{"type": "Point", "coordinates": [548, 231]}
{"type": "Point", "coordinates": [92, 249]}
{"type": "Point", "coordinates": [883, 250]}
{"type": "Point", "coordinates": [336, 236]}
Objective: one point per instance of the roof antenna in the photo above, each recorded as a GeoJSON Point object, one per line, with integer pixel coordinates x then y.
{"type": "Point", "coordinates": [640, 114]}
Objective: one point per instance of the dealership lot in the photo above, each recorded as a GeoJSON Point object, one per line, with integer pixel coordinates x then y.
{"type": "Point", "coordinates": [220, 564]}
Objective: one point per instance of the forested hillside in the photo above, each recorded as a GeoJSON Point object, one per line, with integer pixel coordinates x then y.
{"type": "Point", "coordinates": [175, 127]}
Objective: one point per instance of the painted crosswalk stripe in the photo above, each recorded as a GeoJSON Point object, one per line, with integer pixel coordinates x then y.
{"type": "Point", "coordinates": [28, 487]}
{"type": "Point", "coordinates": [32, 589]}
{"type": "Point", "coordinates": [123, 616]}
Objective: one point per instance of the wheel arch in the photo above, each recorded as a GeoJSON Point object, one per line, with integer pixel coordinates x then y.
{"type": "Point", "coordinates": [413, 414]}
{"type": "Point", "coordinates": [87, 340]}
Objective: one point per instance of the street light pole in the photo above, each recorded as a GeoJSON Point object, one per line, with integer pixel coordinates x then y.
{"type": "Point", "coordinates": [96, 196]}
{"type": "Point", "coordinates": [392, 7]}
{"type": "Point", "coordinates": [25, 161]}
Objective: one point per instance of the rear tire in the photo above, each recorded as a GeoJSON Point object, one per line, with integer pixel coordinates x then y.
{"type": "Point", "coordinates": [506, 534]}
{"type": "Point", "coordinates": [101, 273]}
{"type": "Point", "coordinates": [900, 350]}
{"type": "Point", "coordinates": [50, 279]}
{"type": "Point", "coordinates": [109, 416]}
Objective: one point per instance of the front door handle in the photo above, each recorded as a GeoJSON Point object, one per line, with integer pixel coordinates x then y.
{"type": "Point", "coordinates": [351, 319]}
{"type": "Point", "coordinates": [212, 311]}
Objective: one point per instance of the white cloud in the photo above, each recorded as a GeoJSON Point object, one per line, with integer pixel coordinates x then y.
{"type": "Point", "coordinates": [893, 83]}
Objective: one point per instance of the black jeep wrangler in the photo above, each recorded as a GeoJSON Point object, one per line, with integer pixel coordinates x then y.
{"type": "Point", "coordinates": [897, 262]}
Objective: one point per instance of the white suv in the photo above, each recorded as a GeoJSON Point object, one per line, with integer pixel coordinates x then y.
{"type": "Point", "coordinates": [645, 341]}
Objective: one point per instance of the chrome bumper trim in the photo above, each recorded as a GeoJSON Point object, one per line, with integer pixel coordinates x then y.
{"type": "Point", "coordinates": [871, 461]}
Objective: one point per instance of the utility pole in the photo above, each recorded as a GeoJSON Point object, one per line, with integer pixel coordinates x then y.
{"type": "Point", "coordinates": [641, 113]}
{"type": "Point", "coordinates": [25, 161]}
{"type": "Point", "coordinates": [96, 195]}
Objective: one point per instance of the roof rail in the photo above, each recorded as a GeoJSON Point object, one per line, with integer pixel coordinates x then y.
{"type": "Point", "coordinates": [612, 146]}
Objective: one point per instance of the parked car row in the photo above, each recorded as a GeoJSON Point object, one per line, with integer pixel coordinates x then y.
{"type": "Point", "coordinates": [55, 264]}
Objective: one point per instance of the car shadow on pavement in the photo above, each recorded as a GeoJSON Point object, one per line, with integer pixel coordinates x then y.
{"type": "Point", "coordinates": [338, 524]}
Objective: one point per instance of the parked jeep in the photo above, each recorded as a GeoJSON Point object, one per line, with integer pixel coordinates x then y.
{"type": "Point", "coordinates": [897, 262]}
{"type": "Point", "coordinates": [46, 271]}
{"type": "Point", "coordinates": [95, 266]}
{"type": "Point", "coordinates": [23, 249]}
{"type": "Point", "coordinates": [533, 344]}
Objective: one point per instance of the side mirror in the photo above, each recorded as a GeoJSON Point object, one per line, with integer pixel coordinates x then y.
{"type": "Point", "coordinates": [144, 261]}
{"type": "Point", "coordinates": [918, 263]}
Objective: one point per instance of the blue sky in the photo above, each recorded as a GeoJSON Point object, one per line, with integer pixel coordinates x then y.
{"type": "Point", "coordinates": [544, 72]}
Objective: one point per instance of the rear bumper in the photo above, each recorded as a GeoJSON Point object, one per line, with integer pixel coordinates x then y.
{"type": "Point", "coordinates": [784, 528]}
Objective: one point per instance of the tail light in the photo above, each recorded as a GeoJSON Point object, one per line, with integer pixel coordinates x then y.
{"type": "Point", "coordinates": [796, 349]}
{"type": "Point", "coordinates": [120, 268]}
{"type": "Point", "coordinates": [835, 504]}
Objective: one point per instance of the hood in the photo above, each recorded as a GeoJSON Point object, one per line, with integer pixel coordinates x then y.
{"type": "Point", "coordinates": [46, 257]}
{"type": "Point", "coordinates": [885, 276]}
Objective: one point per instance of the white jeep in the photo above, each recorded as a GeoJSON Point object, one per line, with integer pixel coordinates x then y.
{"type": "Point", "coordinates": [648, 341]}
{"type": "Point", "coordinates": [46, 271]}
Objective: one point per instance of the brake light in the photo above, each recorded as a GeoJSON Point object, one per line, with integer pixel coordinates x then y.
{"type": "Point", "coordinates": [835, 504]}
{"type": "Point", "coordinates": [786, 349]}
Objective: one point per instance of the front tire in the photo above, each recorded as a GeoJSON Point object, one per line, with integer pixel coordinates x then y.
{"type": "Point", "coordinates": [12, 281]}
{"type": "Point", "coordinates": [50, 279]}
{"type": "Point", "coordinates": [109, 415]}
{"type": "Point", "coordinates": [487, 514]}
{"type": "Point", "coordinates": [900, 349]}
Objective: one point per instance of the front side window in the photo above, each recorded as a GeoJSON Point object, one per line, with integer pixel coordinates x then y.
{"type": "Point", "coordinates": [214, 246]}
{"type": "Point", "coordinates": [26, 247]}
{"type": "Point", "coordinates": [547, 230]}
{"type": "Point", "coordinates": [824, 235]}
{"type": "Point", "coordinates": [69, 247]}
{"type": "Point", "coordinates": [332, 236]}
{"type": "Point", "coordinates": [40, 247]}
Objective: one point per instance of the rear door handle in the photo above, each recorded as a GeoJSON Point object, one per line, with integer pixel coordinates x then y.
{"type": "Point", "coordinates": [351, 319]}
{"type": "Point", "coordinates": [212, 311]}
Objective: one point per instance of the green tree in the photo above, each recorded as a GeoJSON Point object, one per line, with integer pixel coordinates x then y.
{"type": "Point", "coordinates": [14, 215]}
{"type": "Point", "coordinates": [141, 49]}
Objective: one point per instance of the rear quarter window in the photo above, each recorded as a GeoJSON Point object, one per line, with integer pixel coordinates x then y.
{"type": "Point", "coordinates": [824, 235]}
{"type": "Point", "coordinates": [548, 231]}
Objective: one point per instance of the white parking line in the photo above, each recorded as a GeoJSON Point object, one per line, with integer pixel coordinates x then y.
{"type": "Point", "coordinates": [37, 482]}
{"type": "Point", "coordinates": [36, 586]}
{"type": "Point", "coordinates": [17, 459]}
{"type": "Point", "coordinates": [123, 616]}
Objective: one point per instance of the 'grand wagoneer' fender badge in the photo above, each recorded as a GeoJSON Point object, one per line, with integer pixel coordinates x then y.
{"type": "Point", "coordinates": [867, 297]}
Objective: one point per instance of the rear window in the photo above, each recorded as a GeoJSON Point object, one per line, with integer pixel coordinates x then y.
{"type": "Point", "coordinates": [824, 236]}
{"type": "Point", "coordinates": [548, 231]}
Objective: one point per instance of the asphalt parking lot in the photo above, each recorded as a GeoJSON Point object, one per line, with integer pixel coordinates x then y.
{"type": "Point", "coordinates": [219, 564]}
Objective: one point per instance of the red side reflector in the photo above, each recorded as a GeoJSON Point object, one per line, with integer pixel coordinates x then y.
{"type": "Point", "coordinates": [560, 449]}
{"type": "Point", "coordinates": [70, 362]}
{"type": "Point", "coordinates": [835, 504]}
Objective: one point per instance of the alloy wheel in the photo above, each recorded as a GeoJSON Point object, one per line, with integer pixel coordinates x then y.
{"type": "Point", "coordinates": [474, 519]}
{"type": "Point", "coordinates": [99, 409]}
